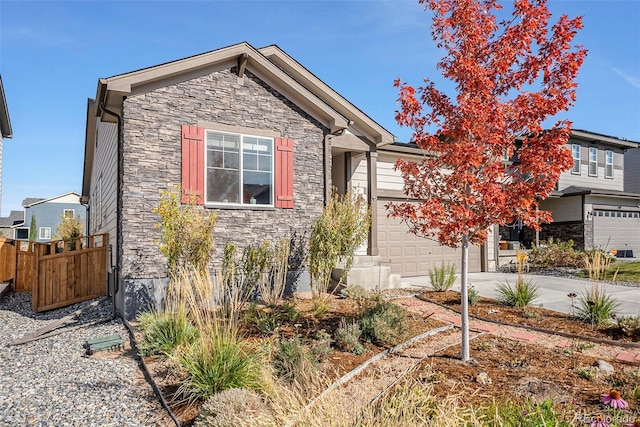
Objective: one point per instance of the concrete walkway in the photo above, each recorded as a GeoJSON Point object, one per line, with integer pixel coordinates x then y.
{"type": "Point", "coordinates": [553, 290]}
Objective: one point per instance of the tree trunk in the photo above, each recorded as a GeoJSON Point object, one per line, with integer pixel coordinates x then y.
{"type": "Point", "coordinates": [464, 299]}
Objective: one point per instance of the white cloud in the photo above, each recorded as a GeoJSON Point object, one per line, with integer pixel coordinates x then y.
{"type": "Point", "coordinates": [632, 80]}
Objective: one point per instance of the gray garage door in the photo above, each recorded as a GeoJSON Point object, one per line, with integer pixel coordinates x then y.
{"type": "Point", "coordinates": [409, 255]}
{"type": "Point", "coordinates": [616, 230]}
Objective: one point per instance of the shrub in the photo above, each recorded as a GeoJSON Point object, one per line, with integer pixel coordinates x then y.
{"type": "Point", "coordinates": [164, 332]}
{"type": "Point", "coordinates": [272, 286]}
{"type": "Point", "coordinates": [292, 360]}
{"type": "Point", "coordinates": [520, 295]}
{"type": "Point", "coordinates": [554, 253]}
{"type": "Point", "coordinates": [342, 228]}
{"type": "Point", "coordinates": [234, 407]}
{"type": "Point", "coordinates": [347, 336]}
{"type": "Point", "coordinates": [218, 361]}
{"type": "Point", "coordinates": [186, 232]}
{"type": "Point", "coordinates": [472, 295]}
{"type": "Point", "coordinates": [384, 323]}
{"type": "Point", "coordinates": [321, 345]}
{"type": "Point", "coordinates": [629, 325]}
{"type": "Point", "coordinates": [442, 277]}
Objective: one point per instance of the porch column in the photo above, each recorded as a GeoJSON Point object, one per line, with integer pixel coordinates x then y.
{"type": "Point", "coordinates": [372, 198]}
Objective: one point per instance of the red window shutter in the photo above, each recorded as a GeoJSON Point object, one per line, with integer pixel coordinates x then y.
{"type": "Point", "coordinates": [284, 173]}
{"type": "Point", "coordinates": [192, 163]}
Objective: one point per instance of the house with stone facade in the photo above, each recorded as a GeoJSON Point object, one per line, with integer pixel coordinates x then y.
{"type": "Point", "coordinates": [593, 203]}
{"type": "Point", "coordinates": [262, 142]}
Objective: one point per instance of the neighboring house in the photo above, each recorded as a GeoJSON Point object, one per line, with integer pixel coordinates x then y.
{"type": "Point", "coordinates": [632, 170]}
{"type": "Point", "coordinates": [48, 213]}
{"type": "Point", "coordinates": [5, 129]}
{"type": "Point", "coordinates": [7, 224]}
{"type": "Point", "coordinates": [592, 205]}
{"type": "Point", "coordinates": [260, 138]}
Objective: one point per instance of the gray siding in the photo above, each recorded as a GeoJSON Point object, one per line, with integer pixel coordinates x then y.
{"type": "Point", "coordinates": [49, 214]}
{"type": "Point", "coordinates": [152, 161]}
{"type": "Point", "coordinates": [632, 170]}
{"type": "Point", "coordinates": [103, 190]}
{"type": "Point", "coordinates": [564, 209]}
{"type": "Point", "coordinates": [583, 179]}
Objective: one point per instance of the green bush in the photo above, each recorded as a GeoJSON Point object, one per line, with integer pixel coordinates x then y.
{"type": "Point", "coordinates": [218, 362]}
{"type": "Point", "coordinates": [347, 336]}
{"type": "Point", "coordinates": [629, 325]}
{"type": "Point", "coordinates": [164, 332]}
{"type": "Point", "coordinates": [596, 306]}
{"type": "Point", "coordinates": [321, 345]}
{"type": "Point", "coordinates": [341, 229]}
{"type": "Point", "coordinates": [442, 277]}
{"type": "Point", "coordinates": [521, 294]}
{"type": "Point", "coordinates": [472, 295]}
{"type": "Point", "coordinates": [384, 323]}
{"type": "Point", "coordinates": [554, 253]}
{"type": "Point", "coordinates": [234, 407]}
{"type": "Point", "coordinates": [293, 360]}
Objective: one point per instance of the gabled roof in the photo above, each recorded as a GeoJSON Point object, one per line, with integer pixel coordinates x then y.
{"type": "Point", "coordinates": [359, 120]}
{"type": "Point", "coordinates": [5, 122]}
{"type": "Point", "coordinates": [14, 218]}
{"type": "Point", "coordinates": [30, 201]}
{"type": "Point", "coordinates": [604, 139]}
{"type": "Point", "coordinates": [111, 91]}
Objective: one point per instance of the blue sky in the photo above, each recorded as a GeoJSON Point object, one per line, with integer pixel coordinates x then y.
{"type": "Point", "coordinates": [53, 52]}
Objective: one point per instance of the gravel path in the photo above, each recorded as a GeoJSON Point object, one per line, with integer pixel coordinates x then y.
{"type": "Point", "coordinates": [52, 382]}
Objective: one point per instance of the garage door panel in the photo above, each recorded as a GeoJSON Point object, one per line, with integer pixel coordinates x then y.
{"type": "Point", "coordinates": [617, 230]}
{"type": "Point", "coordinates": [410, 255]}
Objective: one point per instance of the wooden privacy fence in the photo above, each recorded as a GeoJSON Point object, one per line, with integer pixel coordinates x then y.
{"type": "Point", "coordinates": [62, 272]}
{"type": "Point", "coordinates": [7, 260]}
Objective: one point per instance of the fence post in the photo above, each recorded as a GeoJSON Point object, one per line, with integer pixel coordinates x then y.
{"type": "Point", "coordinates": [35, 288]}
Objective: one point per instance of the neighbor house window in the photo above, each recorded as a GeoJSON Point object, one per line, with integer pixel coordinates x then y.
{"type": "Point", "coordinates": [239, 169]}
{"type": "Point", "coordinates": [44, 233]}
{"type": "Point", "coordinates": [68, 213]}
{"type": "Point", "coordinates": [608, 164]}
{"type": "Point", "coordinates": [575, 152]}
{"type": "Point", "coordinates": [593, 161]}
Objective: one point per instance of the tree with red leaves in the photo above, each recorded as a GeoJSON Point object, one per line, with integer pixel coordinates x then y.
{"type": "Point", "coordinates": [463, 183]}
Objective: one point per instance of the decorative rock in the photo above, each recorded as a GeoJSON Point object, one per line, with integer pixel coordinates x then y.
{"type": "Point", "coordinates": [483, 378]}
{"type": "Point", "coordinates": [604, 367]}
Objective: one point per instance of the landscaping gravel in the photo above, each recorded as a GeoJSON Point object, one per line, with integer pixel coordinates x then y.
{"type": "Point", "coordinates": [52, 381]}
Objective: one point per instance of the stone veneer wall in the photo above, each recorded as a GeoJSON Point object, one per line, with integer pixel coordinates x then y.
{"type": "Point", "coordinates": [152, 162]}
{"type": "Point", "coordinates": [563, 231]}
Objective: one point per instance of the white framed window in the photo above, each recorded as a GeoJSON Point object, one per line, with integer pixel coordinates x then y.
{"type": "Point", "coordinates": [593, 161]}
{"type": "Point", "coordinates": [575, 153]}
{"type": "Point", "coordinates": [44, 233]}
{"type": "Point", "coordinates": [608, 164]}
{"type": "Point", "coordinates": [68, 213]}
{"type": "Point", "coordinates": [239, 169]}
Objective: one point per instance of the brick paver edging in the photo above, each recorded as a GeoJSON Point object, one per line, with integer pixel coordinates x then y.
{"type": "Point", "coordinates": [536, 329]}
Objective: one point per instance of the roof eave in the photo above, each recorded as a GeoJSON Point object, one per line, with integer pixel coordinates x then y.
{"type": "Point", "coordinates": [5, 121]}
{"type": "Point", "coordinates": [605, 139]}
{"type": "Point", "coordinates": [111, 91]}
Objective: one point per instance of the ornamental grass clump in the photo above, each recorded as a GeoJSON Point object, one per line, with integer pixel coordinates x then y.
{"type": "Point", "coordinates": [443, 277]}
{"type": "Point", "coordinates": [340, 230]}
{"type": "Point", "coordinates": [293, 361]}
{"type": "Point", "coordinates": [523, 292]}
{"type": "Point", "coordinates": [347, 336]}
{"type": "Point", "coordinates": [163, 333]}
{"type": "Point", "coordinates": [595, 305]}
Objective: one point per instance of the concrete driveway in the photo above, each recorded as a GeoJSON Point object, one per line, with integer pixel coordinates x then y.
{"type": "Point", "coordinates": [553, 290]}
